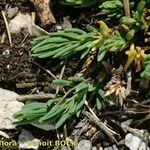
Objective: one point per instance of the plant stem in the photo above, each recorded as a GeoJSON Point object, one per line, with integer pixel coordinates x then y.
{"type": "Point", "coordinates": [7, 28]}
{"type": "Point", "coordinates": [61, 75]}
{"type": "Point", "coordinates": [3, 134]}
{"type": "Point", "coordinates": [126, 7]}
{"type": "Point", "coordinates": [46, 70]}
{"type": "Point", "coordinates": [101, 125]}
{"type": "Point", "coordinates": [30, 97]}
{"type": "Point", "coordinates": [92, 112]}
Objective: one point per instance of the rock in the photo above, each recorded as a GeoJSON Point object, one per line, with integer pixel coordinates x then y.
{"type": "Point", "coordinates": [6, 95]}
{"type": "Point", "coordinates": [66, 23]}
{"type": "Point", "coordinates": [46, 127]}
{"type": "Point", "coordinates": [143, 146]}
{"type": "Point", "coordinates": [19, 22]}
{"type": "Point", "coordinates": [64, 148]}
{"type": "Point", "coordinates": [94, 148]}
{"type": "Point", "coordinates": [127, 122]}
{"type": "Point", "coordinates": [8, 106]}
{"type": "Point", "coordinates": [84, 145]}
{"type": "Point", "coordinates": [132, 141]}
{"type": "Point", "coordinates": [6, 53]}
{"type": "Point", "coordinates": [115, 147]}
{"type": "Point", "coordinates": [55, 148]}
{"type": "Point", "coordinates": [27, 141]}
{"type": "Point", "coordinates": [12, 11]}
{"type": "Point", "coordinates": [109, 148]}
{"type": "Point", "coordinates": [135, 143]}
{"type": "Point", "coordinates": [100, 148]}
{"type": "Point", "coordinates": [58, 27]}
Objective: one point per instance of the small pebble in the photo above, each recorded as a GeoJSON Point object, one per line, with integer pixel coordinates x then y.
{"type": "Point", "coordinates": [66, 23]}
{"type": "Point", "coordinates": [64, 148]}
{"type": "Point", "coordinates": [6, 53]}
{"type": "Point", "coordinates": [84, 145]}
{"type": "Point", "coordinates": [135, 143]}
{"type": "Point", "coordinates": [27, 141]}
{"type": "Point", "coordinates": [94, 148]}
{"type": "Point", "coordinates": [11, 12]}
{"type": "Point", "coordinates": [115, 147]}
{"type": "Point", "coordinates": [109, 148]}
{"type": "Point", "coordinates": [8, 67]}
{"type": "Point", "coordinates": [58, 27]}
{"type": "Point", "coordinates": [100, 148]}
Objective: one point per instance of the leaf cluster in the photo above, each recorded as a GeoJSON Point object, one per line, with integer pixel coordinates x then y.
{"type": "Point", "coordinates": [137, 22]}
{"type": "Point", "coordinates": [63, 44]}
{"type": "Point", "coordinates": [59, 109]}
{"type": "Point", "coordinates": [113, 8]}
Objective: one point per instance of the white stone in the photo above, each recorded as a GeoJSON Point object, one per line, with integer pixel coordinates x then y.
{"type": "Point", "coordinates": [100, 148]}
{"type": "Point", "coordinates": [58, 27]}
{"type": "Point", "coordinates": [12, 11]}
{"type": "Point", "coordinates": [64, 148]}
{"type": "Point", "coordinates": [7, 109]}
{"type": "Point", "coordinates": [84, 145]}
{"type": "Point", "coordinates": [27, 141]}
{"type": "Point", "coordinates": [135, 143]}
{"type": "Point", "coordinates": [132, 141]}
{"type": "Point", "coordinates": [115, 147]}
{"type": "Point", "coordinates": [8, 106]}
{"type": "Point", "coordinates": [66, 23]}
{"type": "Point", "coordinates": [127, 122]}
{"type": "Point", "coordinates": [19, 22]}
{"type": "Point", "coordinates": [94, 148]}
{"type": "Point", "coordinates": [109, 148]}
{"type": "Point", "coordinates": [6, 95]}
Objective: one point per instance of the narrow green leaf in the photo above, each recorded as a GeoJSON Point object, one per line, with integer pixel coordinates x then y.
{"type": "Point", "coordinates": [81, 103]}
{"type": "Point", "coordinates": [62, 120]}
{"type": "Point", "coordinates": [98, 103]}
{"type": "Point", "coordinates": [54, 100]}
{"type": "Point", "coordinates": [78, 113]}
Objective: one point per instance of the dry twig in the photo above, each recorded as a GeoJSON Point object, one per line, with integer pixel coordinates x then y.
{"type": "Point", "coordinates": [7, 28]}
{"type": "Point", "coordinates": [24, 39]}
{"type": "Point", "coordinates": [101, 125]}
{"type": "Point", "coordinates": [31, 97]}
{"type": "Point", "coordinates": [25, 85]}
{"type": "Point", "coordinates": [61, 75]}
{"type": "Point", "coordinates": [3, 134]}
{"type": "Point", "coordinates": [126, 7]}
{"type": "Point", "coordinates": [46, 70]}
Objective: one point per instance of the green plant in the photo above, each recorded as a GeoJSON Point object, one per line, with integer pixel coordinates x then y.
{"type": "Point", "coordinates": [113, 8]}
{"type": "Point", "coordinates": [97, 42]}
{"type": "Point", "coordinates": [79, 3]}
{"type": "Point", "coordinates": [63, 44]}
{"type": "Point", "coordinates": [138, 21]}
{"type": "Point", "coordinates": [146, 72]}
{"type": "Point", "coordinates": [59, 109]}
